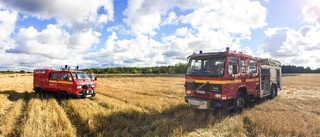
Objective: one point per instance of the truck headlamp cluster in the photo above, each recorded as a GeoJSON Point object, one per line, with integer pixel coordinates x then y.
{"type": "Point", "coordinates": [188, 92]}
{"type": "Point", "coordinates": [79, 86]}
{"type": "Point", "coordinates": [217, 95]}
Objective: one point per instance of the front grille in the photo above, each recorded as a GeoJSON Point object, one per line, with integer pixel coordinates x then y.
{"type": "Point", "coordinates": [207, 87]}
{"type": "Point", "coordinates": [207, 94]}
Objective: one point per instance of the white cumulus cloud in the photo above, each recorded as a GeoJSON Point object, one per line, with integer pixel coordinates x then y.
{"type": "Point", "coordinates": [7, 26]}
{"type": "Point", "coordinates": [150, 33]}
{"type": "Point", "coordinates": [292, 47]}
{"type": "Point", "coordinates": [50, 42]}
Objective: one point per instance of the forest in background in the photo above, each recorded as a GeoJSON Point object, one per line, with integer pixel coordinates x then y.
{"type": "Point", "coordinates": [179, 68]}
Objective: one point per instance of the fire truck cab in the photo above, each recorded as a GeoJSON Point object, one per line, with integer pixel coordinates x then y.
{"type": "Point", "coordinates": [66, 82]}
{"type": "Point", "coordinates": [229, 80]}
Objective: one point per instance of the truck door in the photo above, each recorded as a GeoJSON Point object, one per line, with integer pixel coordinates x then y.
{"type": "Point", "coordinates": [53, 82]}
{"type": "Point", "coordinates": [94, 79]}
{"type": "Point", "coordinates": [253, 78]}
{"type": "Point", "coordinates": [65, 82]}
{"type": "Point", "coordinates": [243, 70]}
{"type": "Point", "coordinates": [279, 78]}
{"type": "Point", "coordinates": [264, 81]}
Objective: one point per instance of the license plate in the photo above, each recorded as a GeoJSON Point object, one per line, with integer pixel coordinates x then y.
{"type": "Point", "coordinates": [198, 104]}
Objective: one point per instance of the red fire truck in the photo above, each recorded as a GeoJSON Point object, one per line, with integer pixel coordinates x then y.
{"type": "Point", "coordinates": [66, 82]}
{"type": "Point", "coordinates": [229, 80]}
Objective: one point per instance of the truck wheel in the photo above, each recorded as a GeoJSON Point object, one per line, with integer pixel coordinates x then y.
{"type": "Point", "coordinates": [62, 95]}
{"type": "Point", "coordinates": [93, 94]}
{"type": "Point", "coordinates": [273, 92]}
{"type": "Point", "coordinates": [240, 102]}
{"type": "Point", "coordinates": [221, 113]}
{"type": "Point", "coordinates": [40, 92]}
{"type": "Point", "coordinates": [276, 91]}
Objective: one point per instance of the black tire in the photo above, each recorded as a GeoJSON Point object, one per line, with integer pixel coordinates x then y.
{"type": "Point", "coordinates": [276, 90]}
{"type": "Point", "coordinates": [93, 94]}
{"type": "Point", "coordinates": [40, 92]}
{"type": "Point", "coordinates": [221, 113]}
{"type": "Point", "coordinates": [273, 92]}
{"type": "Point", "coordinates": [240, 102]}
{"type": "Point", "coordinates": [62, 95]}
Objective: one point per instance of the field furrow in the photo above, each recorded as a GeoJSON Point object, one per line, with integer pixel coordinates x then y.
{"type": "Point", "coordinates": [125, 103]}
{"type": "Point", "coordinates": [5, 104]}
{"type": "Point", "coordinates": [82, 112]}
{"type": "Point", "coordinates": [44, 115]}
{"type": "Point", "coordinates": [11, 119]}
{"type": "Point", "coordinates": [114, 104]}
{"type": "Point", "coordinates": [19, 111]}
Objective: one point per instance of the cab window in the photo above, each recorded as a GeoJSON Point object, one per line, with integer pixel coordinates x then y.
{"type": "Point", "coordinates": [54, 76]}
{"type": "Point", "coordinates": [253, 67]}
{"type": "Point", "coordinates": [232, 61]}
{"type": "Point", "coordinates": [243, 66]}
{"type": "Point", "coordinates": [65, 76]}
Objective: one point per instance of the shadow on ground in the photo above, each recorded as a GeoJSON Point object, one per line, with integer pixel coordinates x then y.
{"type": "Point", "coordinates": [171, 122]}
{"type": "Point", "coordinates": [14, 95]}
{"type": "Point", "coordinates": [174, 121]}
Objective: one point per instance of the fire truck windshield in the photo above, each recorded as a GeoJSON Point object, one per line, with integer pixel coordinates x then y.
{"type": "Point", "coordinates": [80, 76]}
{"type": "Point", "coordinates": [206, 66]}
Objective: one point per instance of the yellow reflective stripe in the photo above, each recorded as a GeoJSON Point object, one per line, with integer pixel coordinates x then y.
{"type": "Point", "coordinates": [54, 81]}
{"type": "Point", "coordinates": [218, 81]}
{"type": "Point", "coordinates": [252, 80]}
{"type": "Point", "coordinates": [65, 82]}
{"type": "Point", "coordinates": [61, 82]}
{"type": "Point", "coordinates": [224, 81]}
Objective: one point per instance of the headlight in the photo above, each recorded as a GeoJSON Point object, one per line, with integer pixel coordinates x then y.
{"type": "Point", "coordinates": [79, 86]}
{"type": "Point", "coordinates": [188, 92]}
{"type": "Point", "coordinates": [92, 85]}
{"type": "Point", "coordinates": [217, 95]}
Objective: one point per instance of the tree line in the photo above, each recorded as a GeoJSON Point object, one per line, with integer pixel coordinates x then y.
{"type": "Point", "coordinates": [298, 69]}
{"type": "Point", "coordinates": [179, 68]}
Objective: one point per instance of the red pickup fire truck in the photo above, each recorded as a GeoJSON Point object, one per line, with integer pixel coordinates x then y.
{"type": "Point", "coordinates": [65, 82]}
{"type": "Point", "coordinates": [229, 80]}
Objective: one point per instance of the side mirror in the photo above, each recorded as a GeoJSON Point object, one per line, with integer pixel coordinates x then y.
{"type": "Point", "coordinates": [234, 69]}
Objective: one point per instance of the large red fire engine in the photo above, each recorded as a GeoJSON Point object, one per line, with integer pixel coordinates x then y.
{"type": "Point", "coordinates": [66, 82]}
{"type": "Point", "coordinates": [229, 80]}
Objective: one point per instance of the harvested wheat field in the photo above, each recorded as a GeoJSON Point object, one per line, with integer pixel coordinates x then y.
{"type": "Point", "coordinates": [154, 106]}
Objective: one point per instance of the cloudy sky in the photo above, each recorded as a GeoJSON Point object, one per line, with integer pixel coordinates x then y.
{"type": "Point", "coordinates": [109, 33]}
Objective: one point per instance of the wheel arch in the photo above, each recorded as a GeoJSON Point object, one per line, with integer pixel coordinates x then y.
{"type": "Point", "coordinates": [63, 91]}
{"type": "Point", "coordinates": [243, 90]}
{"type": "Point", "coordinates": [38, 89]}
{"type": "Point", "coordinates": [275, 87]}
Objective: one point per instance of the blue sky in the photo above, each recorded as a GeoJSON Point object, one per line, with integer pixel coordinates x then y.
{"type": "Point", "coordinates": [106, 33]}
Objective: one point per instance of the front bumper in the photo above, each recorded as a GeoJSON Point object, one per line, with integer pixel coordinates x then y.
{"type": "Point", "coordinates": [86, 93]}
{"type": "Point", "coordinates": [200, 103]}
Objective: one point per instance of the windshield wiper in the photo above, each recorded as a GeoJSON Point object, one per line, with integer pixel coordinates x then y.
{"type": "Point", "coordinates": [200, 87]}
